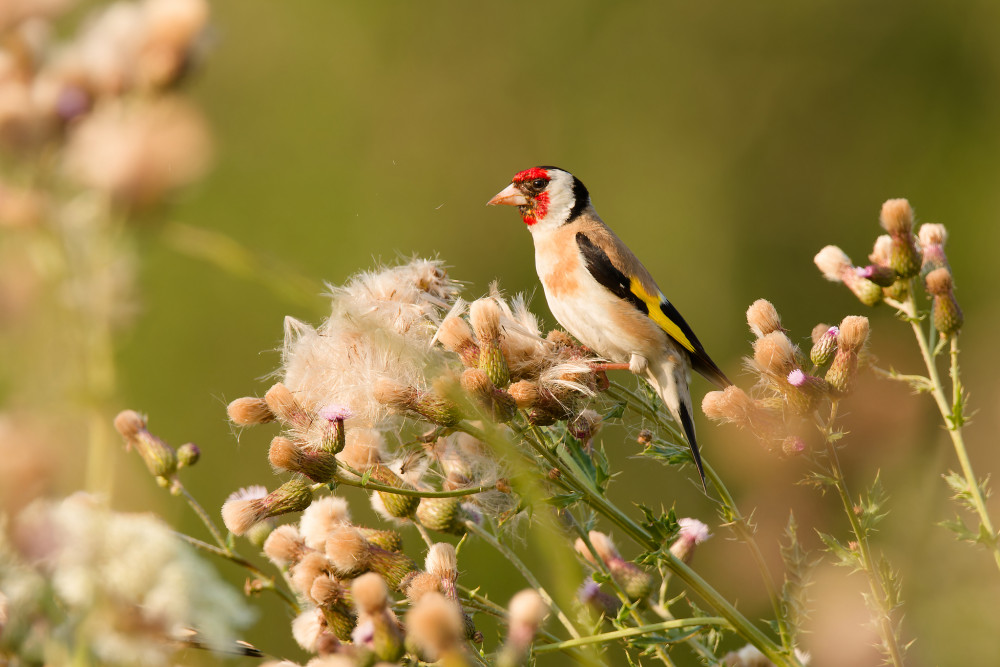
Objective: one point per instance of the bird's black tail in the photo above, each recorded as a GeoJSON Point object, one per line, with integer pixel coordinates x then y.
{"type": "Point", "coordinates": [688, 425]}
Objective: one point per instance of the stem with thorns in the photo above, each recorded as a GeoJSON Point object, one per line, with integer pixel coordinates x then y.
{"type": "Point", "coordinates": [952, 415]}
{"type": "Point", "coordinates": [632, 632]}
{"type": "Point", "coordinates": [878, 587]}
{"type": "Point", "coordinates": [642, 537]}
{"type": "Point", "coordinates": [731, 514]}
{"type": "Point", "coordinates": [512, 558]}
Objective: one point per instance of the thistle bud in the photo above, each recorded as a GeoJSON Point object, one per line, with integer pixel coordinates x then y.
{"type": "Point", "coordinates": [590, 594]}
{"type": "Point", "coordinates": [396, 505]}
{"type": "Point", "coordinates": [485, 317]}
{"type": "Point", "coordinates": [763, 318]}
{"type": "Point", "coordinates": [240, 511]}
{"type": "Point", "coordinates": [932, 239]}
{"type": "Point", "coordinates": [392, 566]}
{"type": "Point", "coordinates": [159, 457]}
{"type": "Point", "coordinates": [636, 583]}
{"type": "Point", "coordinates": [824, 344]}
{"type": "Point", "coordinates": [774, 355]}
{"type": "Point", "coordinates": [321, 517]}
{"type": "Point", "coordinates": [319, 466]}
{"type": "Point", "coordinates": [585, 425]}
{"type": "Point", "coordinates": [444, 515]}
{"type": "Point", "coordinates": [836, 266]}
{"type": "Point", "coordinates": [430, 405]}
{"type": "Point", "coordinates": [844, 369]}
{"type": "Point", "coordinates": [525, 393]}
{"type": "Point", "coordinates": [280, 401]}
{"type": "Point", "coordinates": [948, 317]}
{"type": "Point", "coordinates": [525, 614]}
{"type": "Point", "coordinates": [284, 546]}
{"type": "Point", "coordinates": [334, 435]}
{"type": "Point", "coordinates": [389, 540]}
{"type": "Point", "coordinates": [734, 405]}
{"type": "Point", "coordinates": [498, 403]}
{"type": "Point", "coordinates": [804, 391]}
{"type": "Point", "coordinates": [347, 551]}
{"type": "Point", "coordinates": [904, 255]}
{"type": "Point", "coordinates": [456, 335]}
{"type": "Point", "coordinates": [435, 630]}
{"type": "Point", "coordinates": [187, 455]}
{"type": "Point", "coordinates": [385, 637]}
{"type": "Point", "coordinates": [692, 533]}
{"type": "Point", "coordinates": [882, 276]}
{"type": "Point", "coordinates": [793, 445]}
{"type": "Point", "coordinates": [249, 411]}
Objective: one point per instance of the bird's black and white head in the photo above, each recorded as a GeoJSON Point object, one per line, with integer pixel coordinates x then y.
{"type": "Point", "coordinates": [547, 197]}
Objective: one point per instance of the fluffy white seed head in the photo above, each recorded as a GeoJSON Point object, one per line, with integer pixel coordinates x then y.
{"type": "Point", "coordinates": [442, 561]}
{"type": "Point", "coordinates": [321, 517]}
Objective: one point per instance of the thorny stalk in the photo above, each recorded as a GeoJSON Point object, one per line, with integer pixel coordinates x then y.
{"type": "Point", "coordinates": [875, 582]}
{"type": "Point", "coordinates": [519, 565]}
{"type": "Point", "coordinates": [728, 509]}
{"type": "Point", "coordinates": [633, 632]}
{"type": "Point", "coordinates": [266, 580]}
{"type": "Point", "coordinates": [642, 537]}
{"type": "Point", "coordinates": [952, 415]}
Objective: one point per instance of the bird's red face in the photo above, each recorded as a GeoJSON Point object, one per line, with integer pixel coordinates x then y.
{"type": "Point", "coordinates": [527, 191]}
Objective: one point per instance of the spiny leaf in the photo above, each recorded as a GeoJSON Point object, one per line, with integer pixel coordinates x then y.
{"type": "Point", "coordinates": [663, 527]}
{"type": "Point", "coordinates": [845, 556]}
{"type": "Point", "coordinates": [615, 412]}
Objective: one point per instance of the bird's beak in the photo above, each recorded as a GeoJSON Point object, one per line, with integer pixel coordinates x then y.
{"type": "Point", "coordinates": [509, 196]}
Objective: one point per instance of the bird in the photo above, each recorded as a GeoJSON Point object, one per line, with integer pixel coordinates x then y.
{"type": "Point", "coordinates": [601, 293]}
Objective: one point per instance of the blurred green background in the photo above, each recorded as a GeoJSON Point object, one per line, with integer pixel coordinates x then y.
{"type": "Point", "coordinates": [725, 142]}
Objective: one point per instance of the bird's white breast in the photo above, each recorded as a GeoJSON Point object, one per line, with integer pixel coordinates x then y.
{"type": "Point", "coordinates": [610, 327]}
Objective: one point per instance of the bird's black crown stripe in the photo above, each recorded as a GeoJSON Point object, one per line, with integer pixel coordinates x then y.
{"type": "Point", "coordinates": [606, 273]}
{"type": "Point", "coordinates": [581, 199]}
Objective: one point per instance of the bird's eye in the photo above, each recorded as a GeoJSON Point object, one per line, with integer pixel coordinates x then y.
{"type": "Point", "coordinates": [539, 183]}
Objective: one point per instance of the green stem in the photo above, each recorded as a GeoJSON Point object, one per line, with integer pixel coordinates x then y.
{"type": "Point", "coordinates": [596, 558]}
{"type": "Point", "coordinates": [230, 556]}
{"type": "Point", "coordinates": [951, 420]}
{"type": "Point", "coordinates": [511, 557]}
{"type": "Point", "coordinates": [203, 515]}
{"type": "Point", "coordinates": [734, 517]}
{"type": "Point", "coordinates": [375, 486]}
{"type": "Point", "coordinates": [632, 632]}
{"type": "Point", "coordinates": [868, 562]}
{"type": "Point", "coordinates": [694, 581]}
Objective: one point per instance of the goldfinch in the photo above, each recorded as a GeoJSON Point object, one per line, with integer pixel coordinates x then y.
{"type": "Point", "coordinates": [602, 294]}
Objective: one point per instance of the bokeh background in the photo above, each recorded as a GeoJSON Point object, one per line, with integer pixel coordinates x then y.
{"type": "Point", "coordinates": [725, 142]}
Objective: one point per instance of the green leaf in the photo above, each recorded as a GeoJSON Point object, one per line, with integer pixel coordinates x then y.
{"type": "Point", "coordinates": [617, 411]}
{"type": "Point", "coordinates": [844, 556]}
{"type": "Point", "coordinates": [564, 500]}
{"type": "Point", "coordinates": [366, 477]}
{"type": "Point", "coordinates": [662, 527]}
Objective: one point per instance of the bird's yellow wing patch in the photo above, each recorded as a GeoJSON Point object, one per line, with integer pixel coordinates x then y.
{"type": "Point", "coordinates": [655, 312]}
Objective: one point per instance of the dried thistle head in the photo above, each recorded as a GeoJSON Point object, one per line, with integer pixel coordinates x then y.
{"type": "Point", "coordinates": [285, 546]}
{"type": "Point", "coordinates": [774, 355]}
{"type": "Point", "coordinates": [320, 518]}
{"type": "Point", "coordinates": [250, 410]}
{"type": "Point", "coordinates": [435, 626]}
{"type": "Point", "coordinates": [763, 318]}
{"type": "Point", "coordinates": [896, 217]}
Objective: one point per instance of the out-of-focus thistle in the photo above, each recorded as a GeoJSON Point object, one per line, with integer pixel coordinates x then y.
{"type": "Point", "coordinates": [525, 615]}
{"type": "Point", "coordinates": [160, 458]}
{"type": "Point", "coordinates": [932, 239]}
{"type": "Point", "coordinates": [787, 395]}
{"type": "Point", "coordinates": [636, 583]}
{"type": "Point", "coordinates": [692, 533]}
{"type": "Point", "coordinates": [106, 588]}
{"type": "Point", "coordinates": [844, 368]}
